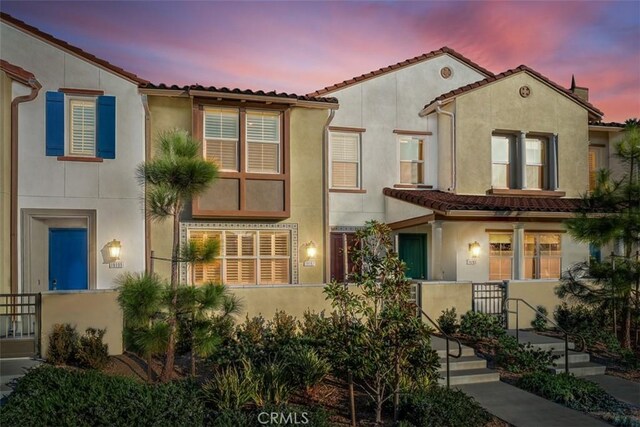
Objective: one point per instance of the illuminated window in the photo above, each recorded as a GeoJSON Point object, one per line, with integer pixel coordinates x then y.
{"type": "Point", "coordinates": [542, 256]}
{"type": "Point", "coordinates": [500, 256]}
{"type": "Point", "coordinates": [535, 152]}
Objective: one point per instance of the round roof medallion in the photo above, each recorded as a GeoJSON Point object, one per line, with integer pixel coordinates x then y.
{"type": "Point", "coordinates": [525, 91]}
{"type": "Point", "coordinates": [446, 72]}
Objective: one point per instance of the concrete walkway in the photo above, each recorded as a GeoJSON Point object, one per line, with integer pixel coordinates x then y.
{"type": "Point", "coordinates": [621, 389]}
{"type": "Point", "coordinates": [11, 369]}
{"type": "Point", "coordinates": [522, 409]}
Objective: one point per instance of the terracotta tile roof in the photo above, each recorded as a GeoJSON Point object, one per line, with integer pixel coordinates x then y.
{"type": "Point", "coordinates": [248, 92]}
{"type": "Point", "coordinates": [442, 202]}
{"type": "Point", "coordinates": [405, 63]}
{"type": "Point", "coordinates": [521, 68]}
{"type": "Point", "coordinates": [66, 46]}
{"type": "Point", "coordinates": [606, 124]}
{"type": "Point", "coordinates": [16, 72]}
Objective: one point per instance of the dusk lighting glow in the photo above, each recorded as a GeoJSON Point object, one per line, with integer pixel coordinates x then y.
{"type": "Point", "coordinates": [304, 46]}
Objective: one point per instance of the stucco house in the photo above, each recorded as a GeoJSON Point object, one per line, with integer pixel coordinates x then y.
{"type": "Point", "coordinates": [475, 172]}
{"type": "Point", "coordinates": [266, 206]}
{"type": "Point", "coordinates": [73, 133]}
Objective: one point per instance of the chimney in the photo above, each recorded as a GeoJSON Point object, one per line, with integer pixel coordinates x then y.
{"type": "Point", "coordinates": [579, 91]}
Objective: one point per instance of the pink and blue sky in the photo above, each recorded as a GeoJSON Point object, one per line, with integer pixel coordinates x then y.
{"type": "Point", "coordinates": [303, 46]}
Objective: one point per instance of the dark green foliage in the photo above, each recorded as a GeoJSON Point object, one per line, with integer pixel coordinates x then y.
{"type": "Point", "coordinates": [568, 390]}
{"type": "Point", "coordinates": [481, 325]}
{"type": "Point", "coordinates": [63, 344]}
{"type": "Point", "coordinates": [49, 396]}
{"type": "Point", "coordinates": [448, 321]}
{"type": "Point", "coordinates": [230, 389]}
{"type": "Point", "coordinates": [588, 323]}
{"type": "Point", "coordinates": [309, 368]}
{"type": "Point", "coordinates": [441, 407]}
{"type": "Point", "coordinates": [522, 357]}
{"type": "Point", "coordinates": [92, 352]}
{"type": "Point", "coordinates": [540, 322]}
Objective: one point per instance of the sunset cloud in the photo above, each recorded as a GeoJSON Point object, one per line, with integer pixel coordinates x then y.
{"type": "Point", "coordinates": [303, 46]}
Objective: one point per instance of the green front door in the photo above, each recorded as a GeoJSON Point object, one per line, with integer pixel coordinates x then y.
{"type": "Point", "coordinates": [413, 251]}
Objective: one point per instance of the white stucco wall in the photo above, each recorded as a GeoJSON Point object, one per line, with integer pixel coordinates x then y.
{"type": "Point", "coordinates": [110, 187]}
{"type": "Point", "coordinates": [380, 105]}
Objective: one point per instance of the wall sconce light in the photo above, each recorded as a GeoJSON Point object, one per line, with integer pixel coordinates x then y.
{"type": "Point", "coordinates": [114, 247]}
{"type": "Point", "coordinates": [474, 250]}
{"type": "Point", "coordinates": [310, 251]}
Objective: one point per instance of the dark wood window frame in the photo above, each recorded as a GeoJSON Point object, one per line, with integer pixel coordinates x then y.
{"type": "Point", "coordinates": [242, 175]}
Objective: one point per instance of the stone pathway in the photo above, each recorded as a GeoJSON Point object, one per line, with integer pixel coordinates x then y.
{"type": "Point", "coordinates": [621, 389]}
{"type": "Point", "coordinates": [523, 409]}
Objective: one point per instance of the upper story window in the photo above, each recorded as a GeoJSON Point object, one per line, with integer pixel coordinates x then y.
{"type": "Point", "coordinates": [542, 255]}
{"type": "Point", "coordinates": [263, 141]}
{"type": "Point", "coordinates": [221, 130]}
{"type": "Point", "coordinates": [411, 159]}
{"type": "Point", "coordinates": [345, 160]}
{"type": "Point", "coordinates": [500, 161]}
{"type": "Point", "coordinates": [80, 126]}
{"type": "Point", "coordinates": [535, 163]}
{"type": "Point", "coordinates": [596, 162]}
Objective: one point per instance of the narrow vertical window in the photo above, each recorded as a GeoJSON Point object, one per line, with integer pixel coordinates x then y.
{"type": "Point", "coordinates": [543, 255]}
{"type": "Point", "coordinates": [411, 160]}
{"type": "Point", "coordinates": [345, 160]}
{"type": "Point", "coordinates": [82, 132]}
{"type": "Point", "coordinates": [221, 129]}
{"type": "Point", "coordinates": [274, 257]}
{"type": "Point", "coordinates": [535, 149]}
{"type": "Point", "coordinates": [500, 256]}
{"type": "Point", "coordinates": [263, 142]}
{"type": "Point", "coordinates": [500, 152]}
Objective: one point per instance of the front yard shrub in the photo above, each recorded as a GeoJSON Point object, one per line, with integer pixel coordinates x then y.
{"type": "Point", "coordinates": [481, 325]}
{"type": "Point", "coordinates": [92, 352]}
{"type": "Point", "coordinates": [540, 323]}
{"type": "Point", "coordinates": [517, 357]}
{"type": "Point", "coordinates": [230, 389]}
{"type": "Point", "coordinates": [568, 390]}
{"type": "Point", "coordinates": [309, 369]}
{"type": "Point", "coordinates": [49, 396]}
{"type": "Point", "coordinates": [441, 407]}
{"type": "Point", "coordinates": [448, 321]}
{"type": "Point", "coordinates": [63, 344]}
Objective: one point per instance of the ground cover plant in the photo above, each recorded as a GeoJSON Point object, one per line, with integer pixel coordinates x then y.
{"type": "Point", "coordinates": [67, 347]}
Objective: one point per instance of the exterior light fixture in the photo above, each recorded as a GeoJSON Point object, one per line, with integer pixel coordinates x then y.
{"type": "Point", "coordinates": [474, 250]}
{"type": "Point", "coordinates": [311, 250]}
{"type": "Point", "coordinates": [114, 250]}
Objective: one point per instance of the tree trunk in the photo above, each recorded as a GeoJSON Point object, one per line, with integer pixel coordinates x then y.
{"type": "Point", "coordinates": [149, 368]}
{"type": "Point", "coordinates": [626, 328]}
{"type": "Point", "coordinates": [378, 410]}
{"type": "Point", "coordinates": [396, 386]}
{"type": "Point", "coordinates": [167, 370]}
{"type": "Point", "coordinates": [352, 399]}
{"type": "Point", "coordinates": [193, 349]}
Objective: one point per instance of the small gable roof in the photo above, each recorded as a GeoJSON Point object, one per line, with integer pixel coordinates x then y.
{"type": "Point", "coordinates": [411, 61]}
{"type": "Point", "coordinates": [521, 69]}
{"type": "Point", "coordinates": [22, 26]}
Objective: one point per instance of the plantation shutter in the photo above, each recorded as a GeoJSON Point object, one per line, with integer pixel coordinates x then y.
{"type": "Point", "coordinates": [106, 127]}
{"type": "Point", "coordinates": [240, 270]}
{"type": "Point", "coordinates": [83, 128]}
{"type": "Point", "coordinates": [263, 142]}
{"type": "Point", "coordinates": [274, 257]}
{"type": "Point", "coordinates": [221, 137]}
{"type": "Point", "coordinates": [345, 159]}
{"type": "Point", "coordinates": [205, 272]}
{"type": "Point", "coordinates": [55, 124]}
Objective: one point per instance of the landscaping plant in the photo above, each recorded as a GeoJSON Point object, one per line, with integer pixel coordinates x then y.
{"type": "Point", "coordinates": [91, 351]}
{"type": "Point", "coordinates": [539, 324]}
{"type": "Point", "coordinates": [448, 321]}
{"type": "Point", "coordinates": [63, 344]}
{"type": "Point", "coordinates": [517, 357]}
{"type": "Point", "coordinates": [481, 325]}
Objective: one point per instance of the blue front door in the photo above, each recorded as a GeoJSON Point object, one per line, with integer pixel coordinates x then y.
{"type": "Point", "coordinates": [68, 259]}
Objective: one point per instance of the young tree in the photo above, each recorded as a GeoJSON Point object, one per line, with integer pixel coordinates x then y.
{"type": "Point", "coordinates": [384, 335]}
{"type": "Point", "coordinates": [172, 178]}
{"type": "Point", "coordinates": [610, 215]}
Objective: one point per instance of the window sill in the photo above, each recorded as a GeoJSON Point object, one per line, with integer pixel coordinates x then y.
{"type": "Point", "coordinates": [529, 193]}
{"type": "Point", "coordinates": [413, 186]}
{"type": "Point", "coordinates": [80, 159]}
{"type": "Point", "coordinates": [347, 190]}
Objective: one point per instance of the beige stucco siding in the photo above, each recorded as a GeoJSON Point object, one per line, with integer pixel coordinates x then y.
{"type": "Point", "coordinates": [499, 106]}
{"type": "Point", "coordinates": [5, 182]}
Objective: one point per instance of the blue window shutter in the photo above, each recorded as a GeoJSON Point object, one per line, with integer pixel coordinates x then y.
{"type": "Point", "coordinates": [55, 124]}
{"type": "Point", "coordinates": [106, 131]}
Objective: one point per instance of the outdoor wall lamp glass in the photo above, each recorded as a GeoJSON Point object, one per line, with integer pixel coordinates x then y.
{"type": "Point", "coordinates": [474, 249]}
{"type": "Point", "coordinates": [114, 250]}
{"type": "Point", "coordinates": [311, 250]}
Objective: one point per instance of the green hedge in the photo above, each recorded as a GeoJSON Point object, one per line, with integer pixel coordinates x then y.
{"type": "Point", "coordinates": [49, 396]}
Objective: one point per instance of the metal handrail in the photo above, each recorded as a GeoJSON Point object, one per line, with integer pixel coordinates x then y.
{"type": "Point", "coordinates": [447, 338]}
{"type": "Point", "coordinates": [505, 307]}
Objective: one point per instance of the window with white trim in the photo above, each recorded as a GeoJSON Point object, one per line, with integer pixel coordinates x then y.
{"type": "Point", "coordinates": [249, 257]}
{"type": "Point", "coordinates": [535, 159]}
{"type": "Point", "coordinates": [500, 161]}
{"type": "Point", "coordinates": [263, 141]}
{"type": "Point", "coordinates": [542, 255]}
{"type": "Point", "coordinates": [345, 160]}
{"type": "Point", "coordinates": [82, 127]}
{"type": "Point", "coordinates": [411, 159]}
{"type": "Point", "coordinates": [221, 130]}
{"type": "Point", "coordinates": [500, 256]}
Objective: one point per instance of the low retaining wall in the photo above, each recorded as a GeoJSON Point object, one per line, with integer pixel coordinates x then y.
{"type": "Point", "coordinates": [83, 309]}
{"type": "Point", "coordinates": [438, 296]}
{"type": "Point", "coordinates": [535, 292]}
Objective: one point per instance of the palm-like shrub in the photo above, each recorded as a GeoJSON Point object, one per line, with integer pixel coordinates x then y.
{"type": "Point", "coordinates": [309, 368]}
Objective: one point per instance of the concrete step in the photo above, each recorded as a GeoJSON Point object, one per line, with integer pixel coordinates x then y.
{"type": "Point", "coordinates": [542, 342]}
{"type": "Point", "coordinates": [463, 363]}
{"type": "Point", "coordinates": [466, 351]}
{"type": "Point", "coordinates": [574, 357]}
{"type": "Point", "coordinates": [581, 369]}
{"type": "Point", "coordinates": [471, 376]}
